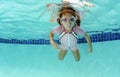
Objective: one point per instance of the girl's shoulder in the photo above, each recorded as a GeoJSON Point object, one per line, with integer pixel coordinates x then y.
{"type": "Point", "coordinates": [57, 29]}
{"type": "Point", "coordinates": [79, 30]}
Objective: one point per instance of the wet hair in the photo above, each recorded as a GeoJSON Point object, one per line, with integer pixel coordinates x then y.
{"type": "Point", "coordinates": [69, 10]}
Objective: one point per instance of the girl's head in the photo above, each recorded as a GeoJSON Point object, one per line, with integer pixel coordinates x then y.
{"type": "Point", "coordinates": [68, 17]}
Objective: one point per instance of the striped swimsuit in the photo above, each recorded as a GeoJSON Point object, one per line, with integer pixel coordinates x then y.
{"type": "Point", "coordinates": [68, 40]}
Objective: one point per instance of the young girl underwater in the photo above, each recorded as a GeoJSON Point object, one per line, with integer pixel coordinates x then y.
{"type": "Point", "coordinates": [69, 29]}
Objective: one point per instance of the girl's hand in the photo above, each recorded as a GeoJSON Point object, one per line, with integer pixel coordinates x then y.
{"type": "Point", "coordinates": [55, 45]}
{"type": "Point", "coordinates": [90, 50]}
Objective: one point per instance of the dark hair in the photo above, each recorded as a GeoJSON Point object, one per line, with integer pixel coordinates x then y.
{"type": "Point", "coordinates": [68, 10]}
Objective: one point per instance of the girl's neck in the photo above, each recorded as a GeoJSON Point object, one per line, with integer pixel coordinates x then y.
{"type": "Point", "coordinates": [68, 30]}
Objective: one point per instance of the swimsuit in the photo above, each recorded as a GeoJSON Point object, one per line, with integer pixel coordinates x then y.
{"type": "Point", "coordinates": [68, 40]}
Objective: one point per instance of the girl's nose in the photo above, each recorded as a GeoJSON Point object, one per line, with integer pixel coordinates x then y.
{"type": "Point", "coordinates": [68, 22]}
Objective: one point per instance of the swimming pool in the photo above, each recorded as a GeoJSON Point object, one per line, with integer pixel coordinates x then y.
{"type": "Point", "coordinates": [25, 50]}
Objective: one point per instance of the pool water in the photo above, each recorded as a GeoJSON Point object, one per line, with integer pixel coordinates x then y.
{"type": "Point", "coordinates": [24, 41]}
{"type": "Point", "coordinates": [42, 61]}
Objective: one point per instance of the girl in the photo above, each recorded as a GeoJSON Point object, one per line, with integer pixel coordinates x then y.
{"type": "Point", "coordinates": [68, 30]}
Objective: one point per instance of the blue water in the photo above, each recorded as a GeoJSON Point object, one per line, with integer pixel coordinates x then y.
{"type": "Point", "coordinates": [42, 61]}
{"type": "Point", "coordinates": [20, 20]}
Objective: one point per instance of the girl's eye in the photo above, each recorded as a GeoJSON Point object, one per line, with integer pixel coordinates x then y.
{"type": "Point", "coordinates": [71, 19]}
{"type": "Point", "coordinates": [64, 20]}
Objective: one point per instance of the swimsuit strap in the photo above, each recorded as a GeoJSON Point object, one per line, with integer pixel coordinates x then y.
{"type": "Point", "coordinates": [63, 32]}
{"type": "Point", "coordinates": [74, 34]}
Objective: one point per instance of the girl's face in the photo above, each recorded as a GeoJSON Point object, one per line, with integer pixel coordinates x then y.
{"type": "Point", "coordinates": [68, 20]}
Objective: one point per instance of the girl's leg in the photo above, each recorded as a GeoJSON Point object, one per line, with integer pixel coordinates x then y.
{"type": "Point", "coordinates": [62, 54]}
{"type": "Point", "coordinates": [76, 54]}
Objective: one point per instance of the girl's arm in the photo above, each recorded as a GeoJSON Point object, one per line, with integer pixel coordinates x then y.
{"type": "Point", "coordinates": [52, 42]}
{"type": "Point", "coordinates": [88, 41]}
{"type": "Point", "coordinates": [80, 31]}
